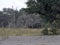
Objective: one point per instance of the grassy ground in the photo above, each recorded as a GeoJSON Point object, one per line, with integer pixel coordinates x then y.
{"type": "Point", "coordinates": [19, 32]}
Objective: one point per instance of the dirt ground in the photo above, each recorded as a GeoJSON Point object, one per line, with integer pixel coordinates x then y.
{"type": "Point", "coordinates": [30, 40]}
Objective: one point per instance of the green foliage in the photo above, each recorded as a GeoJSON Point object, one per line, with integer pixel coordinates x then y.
{"type": "Point", "coordinates": [49, 9]}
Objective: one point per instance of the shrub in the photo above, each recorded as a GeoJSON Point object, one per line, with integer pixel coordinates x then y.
{"type": "Point", "coordinates": [54, 31]}
{"type": "Point", "coordinates": [45, 31]}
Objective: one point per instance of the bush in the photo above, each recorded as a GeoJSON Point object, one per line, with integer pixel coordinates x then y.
{"type": "Point", "coordinates": [54, 31]}
{"type": "Point", "coordinates": [45, 31]}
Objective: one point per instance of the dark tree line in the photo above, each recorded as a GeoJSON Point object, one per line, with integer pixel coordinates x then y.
{"type": "Point", "coordinates": [7, 16]}
{"type": "Point", "coordinates": [14, 18]}
{"type": "Point", "coordinates": [48, 11]}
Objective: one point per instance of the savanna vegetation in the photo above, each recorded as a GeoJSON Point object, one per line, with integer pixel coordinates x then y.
{"type": "Point", "coordinates": [39, 14]}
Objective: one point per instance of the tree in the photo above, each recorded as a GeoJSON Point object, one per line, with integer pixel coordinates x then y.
{"type": "Point", "coordinates": [48, 9]}
{"type": "Point", "coordinates": [3, 19]}
{"type": "Point", "coordinates": [13, 15]}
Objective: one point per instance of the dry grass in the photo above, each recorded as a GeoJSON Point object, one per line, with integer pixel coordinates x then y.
{"type": "Point", "coordinates": [19, 32]}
